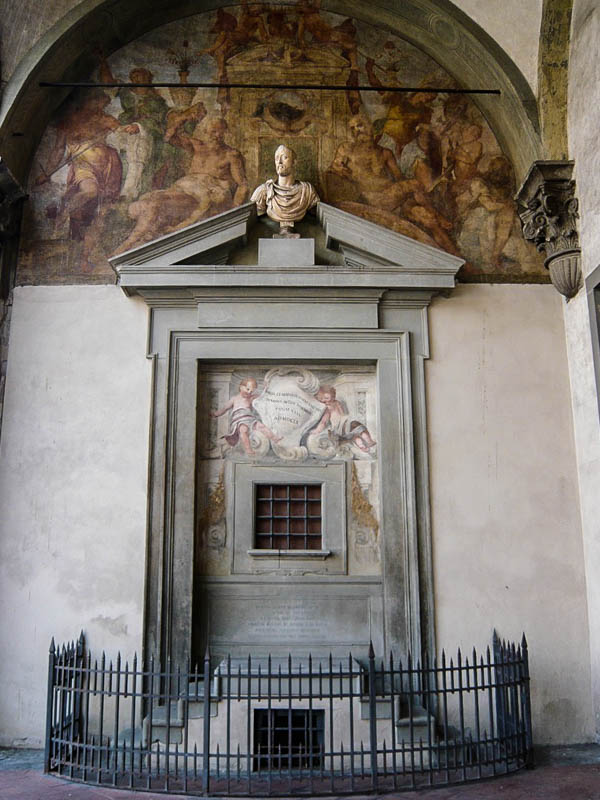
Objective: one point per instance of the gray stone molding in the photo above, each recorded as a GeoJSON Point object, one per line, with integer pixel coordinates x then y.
{"type": "Point", "coordinates": [407, 615]}
{"type": "Point", "coordinates": [207, 242]}
{"type": "Point", "coordinates": [592, 289]}
{"type": "Point", "coordinates": [548, 209]}
{"type": "Point", "coordinates": [333, 479]}
{"type": "Point", "coordinates": [370, 309]}
{"type": "Point", "coordinates": [365, 244]}
{"type": "Point", "coordinates": [374, 257]}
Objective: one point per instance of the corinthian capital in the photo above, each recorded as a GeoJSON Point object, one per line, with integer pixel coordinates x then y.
{"type": "Point", "coordinates": [548, 210]}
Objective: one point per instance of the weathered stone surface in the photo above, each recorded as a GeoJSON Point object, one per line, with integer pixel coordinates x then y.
{"type": "Point", "coordinates": [549, 212]}
{"type": "Point", "coordinates": [286, 252]}
{"type": "Point", "coordinates": [553, 76]}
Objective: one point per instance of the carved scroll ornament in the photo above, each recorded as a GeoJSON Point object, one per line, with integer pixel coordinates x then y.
{"type": "Point", "coordinates": [548, 209]}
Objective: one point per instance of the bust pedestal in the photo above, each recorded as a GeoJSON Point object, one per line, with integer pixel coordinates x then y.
{"type": "Point", "coordinates": [286, 252]}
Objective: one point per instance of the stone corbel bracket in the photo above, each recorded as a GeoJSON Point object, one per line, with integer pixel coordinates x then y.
{"type": "Point", "coordinates": [548, 210]}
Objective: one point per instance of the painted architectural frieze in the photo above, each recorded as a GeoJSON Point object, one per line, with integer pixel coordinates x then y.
{"type": "Point", "coordinates": [120, 166]}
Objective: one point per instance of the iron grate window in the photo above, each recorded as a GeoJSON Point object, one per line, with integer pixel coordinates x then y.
{"type": "Point", "coordinates": [288, 516]}
{"type": "Point", "coordinates": [288, 738]}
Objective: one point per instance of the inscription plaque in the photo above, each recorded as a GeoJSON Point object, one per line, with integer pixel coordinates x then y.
{"type": "Point", "coordinates": [273, 619]}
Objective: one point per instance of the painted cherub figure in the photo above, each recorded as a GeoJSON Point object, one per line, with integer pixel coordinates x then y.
{"type": "Point", "coordinates": [339, 421]}
{"type": "Point", "coordinates": [244, 418]}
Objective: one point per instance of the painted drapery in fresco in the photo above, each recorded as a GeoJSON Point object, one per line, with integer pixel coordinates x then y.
{"type": "Point", "coordinates": [119, 167]}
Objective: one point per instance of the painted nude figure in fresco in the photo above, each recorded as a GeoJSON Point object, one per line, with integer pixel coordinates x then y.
{"type": "Point", "coordinates": [95, 169]}
{"type": "Point", "coordinates": [379, 182]}
{"type": "Point", "coordinates": [339, 421]}
{"type": "Point", "coordinates": [215, 182]}
{"type": "Point", "coordinates": [285, 199]}
{"type": "Point", "coordinates": [243, 418]}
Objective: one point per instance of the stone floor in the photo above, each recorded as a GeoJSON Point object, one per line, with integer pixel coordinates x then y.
{"type": "Point", "coordinates": [567, 773]}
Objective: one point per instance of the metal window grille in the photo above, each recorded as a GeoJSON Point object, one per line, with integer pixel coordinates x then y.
{"type": "Point", "coordinates": [329, 726]}
{"type": "Point", "coordinates": [288, 517]}
{"type": "Point", "coordinates": [286, 738]}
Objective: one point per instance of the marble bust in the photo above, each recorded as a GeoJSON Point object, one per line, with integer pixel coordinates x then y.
{"type": "Point", "coordinates": [285, 199]}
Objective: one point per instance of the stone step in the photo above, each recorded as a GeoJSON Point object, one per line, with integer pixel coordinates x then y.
{"type": "Point", "coordinates": [195, 710]}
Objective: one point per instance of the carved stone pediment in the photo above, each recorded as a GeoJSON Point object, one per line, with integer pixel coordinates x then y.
{"type": "Point", "coordinates": [548, 209]}
{"type": "Point", "coordinates": [355, 254]}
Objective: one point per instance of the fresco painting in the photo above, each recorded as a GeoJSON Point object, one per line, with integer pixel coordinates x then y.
{"type": "Point", "coordinates": [287, 414]}
{"type": "Point", "coordinates": [119, 167]}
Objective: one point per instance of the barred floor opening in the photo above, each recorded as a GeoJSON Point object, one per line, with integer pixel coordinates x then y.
{"type": "Point", "coordinates": [288, 738]}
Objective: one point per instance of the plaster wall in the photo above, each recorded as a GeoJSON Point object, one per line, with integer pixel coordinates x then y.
{"type": "Point", "coordinates": [506, 527]}
{"type": "Point", "coordinates": [515, 25]}
{"type": "Point", "coordinates": [584, 121]}
{"type": "Point", "coordinates": [73, 465]}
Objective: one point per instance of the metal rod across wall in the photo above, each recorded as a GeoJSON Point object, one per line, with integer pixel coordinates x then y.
{"type": "Point", "coordinates": [274, 725]}
{"type": "Point", "coordinates": [310, 86]}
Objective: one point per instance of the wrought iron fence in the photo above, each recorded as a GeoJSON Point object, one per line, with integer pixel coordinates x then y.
{"type": "Point", "coordinates": [288, 726]}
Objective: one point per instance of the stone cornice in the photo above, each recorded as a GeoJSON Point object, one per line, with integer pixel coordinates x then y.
{"type": "Point", "coordinates": [216, 236]}
{"type": "Point", "coordinates": [365, 244]}
{"type": "Point", "coordinates": [374, 257]}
